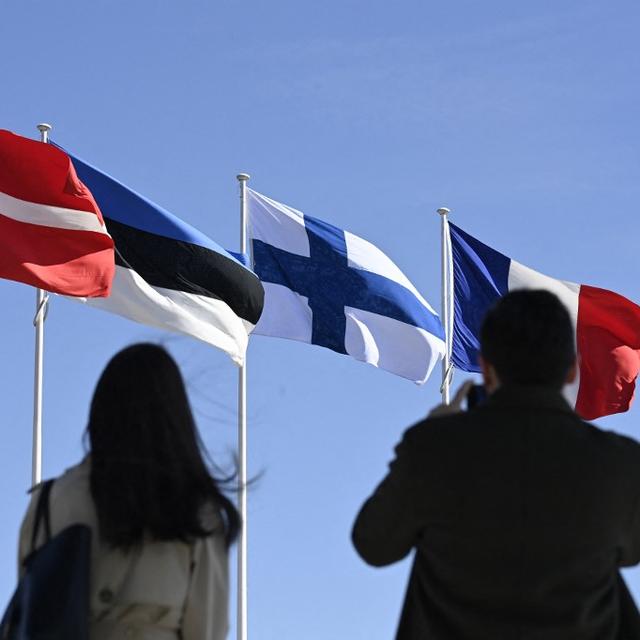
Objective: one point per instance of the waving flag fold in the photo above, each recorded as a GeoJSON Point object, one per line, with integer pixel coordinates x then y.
{"type": "Point", "coordinates": [170, 275]}
{"type": "Point", "coordinates": [52, 234]}
{"type": "Point", "coordinates": [607, 325]}
{"type": "Point", "coordinates": [328, 287]}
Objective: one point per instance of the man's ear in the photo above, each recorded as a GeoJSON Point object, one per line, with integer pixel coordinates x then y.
{"type": "Point", "coordinates": [572, 374]}
{"type": "Point", "coordinates": [489, 375]}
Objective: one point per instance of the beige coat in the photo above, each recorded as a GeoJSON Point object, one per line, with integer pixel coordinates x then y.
{"type": "Point", "coordinates": [149, 593]}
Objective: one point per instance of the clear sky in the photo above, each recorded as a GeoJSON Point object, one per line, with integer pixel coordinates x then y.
{"type": "Point", "coordinates": [519, 116]}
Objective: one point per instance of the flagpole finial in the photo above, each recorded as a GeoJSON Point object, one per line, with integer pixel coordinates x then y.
{"type": "Point", "coordinates": [43, 127]}
{"type": "Point", "coordinates": [443, 211]}
{"type": "Point", "coordinates": [243, 177]}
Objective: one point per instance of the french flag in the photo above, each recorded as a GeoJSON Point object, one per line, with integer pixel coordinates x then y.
{"type": "Point", "coordinates": [52, 234]}
{"type": "Point", "coordinates": [606, 324]}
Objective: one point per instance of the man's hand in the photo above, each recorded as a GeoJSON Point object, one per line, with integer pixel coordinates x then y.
{"type": "Point", "coordinates": [455, 406]}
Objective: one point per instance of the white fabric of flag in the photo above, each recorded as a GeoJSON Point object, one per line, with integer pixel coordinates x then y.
{"type": "Point", "coordinates": [169, 275]}
{"type": "Point", "coordinates": [329, 287]}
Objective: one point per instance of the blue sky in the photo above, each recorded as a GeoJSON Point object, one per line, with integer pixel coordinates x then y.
{"type": "Point", "coordinates": [521, 117]}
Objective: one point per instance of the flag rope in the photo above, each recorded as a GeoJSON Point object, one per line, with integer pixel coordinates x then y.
{"type": "Point", "coordinates": [42, 310]}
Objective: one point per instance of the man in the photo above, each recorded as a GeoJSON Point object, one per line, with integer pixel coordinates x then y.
{"type": "Point", "coordinates": [520, 513]}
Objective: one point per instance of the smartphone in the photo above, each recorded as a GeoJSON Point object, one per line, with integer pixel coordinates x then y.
{"type": "Point", "coordinates": [476, 396]}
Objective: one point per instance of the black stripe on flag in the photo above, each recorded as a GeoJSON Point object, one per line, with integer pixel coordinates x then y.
{"type": "Point", "coordinates": [183, 266]}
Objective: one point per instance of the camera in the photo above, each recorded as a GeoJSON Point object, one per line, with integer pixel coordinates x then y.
{"type": "Point", "coordinates": [476, 396]}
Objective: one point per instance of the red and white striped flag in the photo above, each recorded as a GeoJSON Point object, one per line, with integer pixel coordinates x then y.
{"type": "Point", "coordinates": [52, 234]}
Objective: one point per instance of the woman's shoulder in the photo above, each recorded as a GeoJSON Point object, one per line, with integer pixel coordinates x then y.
{"type": "Point", "coordinates": [69, 503]}
{"type": "Point", "coordinates": [70, 499]}
{"type": "Point", "coordinates": [211, 548]}
{"type": "Point", "coordinates": [77, 474]}
{"type": "Point", "coordinates": [210, 517]}
{"type": "Point", "coordinates": [74, 481]}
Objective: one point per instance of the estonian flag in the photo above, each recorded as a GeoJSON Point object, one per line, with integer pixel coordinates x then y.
{"type": "Point", "coordinates": [170, 275]}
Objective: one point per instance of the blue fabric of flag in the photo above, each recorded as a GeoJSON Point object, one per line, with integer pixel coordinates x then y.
{"type": "Point", "coordinates": [481, 277]}
{"type": "Point", "coordinates": [330, 285]}
{"type": "Point", "coordinates": [171, 276]}
{"type": "Point", "coordinates": [124, 205]}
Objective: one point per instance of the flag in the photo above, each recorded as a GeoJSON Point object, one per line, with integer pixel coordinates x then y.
{"type": "Point", "coordinates": [170, 275]}
{"type": "Point", "coordinates": [606, 324]}
{"type": "Point", "coordinates": [52, 234]}
{"type": "Point", "coordinates": [328, 287]}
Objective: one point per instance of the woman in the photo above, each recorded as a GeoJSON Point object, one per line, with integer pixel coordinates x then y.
{"type": "Point", "coordinates": [161, 526]}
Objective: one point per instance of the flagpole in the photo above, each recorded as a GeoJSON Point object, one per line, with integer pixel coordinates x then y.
{"type": "Point", "coordinates": [242, 444]}
{"type": "Point", "coordinates": [445, 301]}
{"type": "Point", "coordinates": [38, 322]}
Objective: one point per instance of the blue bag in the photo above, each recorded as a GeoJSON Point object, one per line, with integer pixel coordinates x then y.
{"type": "Point", "coordinates": [51, 601]}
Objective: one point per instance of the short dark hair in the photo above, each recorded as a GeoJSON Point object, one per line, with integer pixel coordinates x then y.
{"type": "Point", "coordinates": [149, 470]}
{"type": "Point", "coordinates": [528, 337]}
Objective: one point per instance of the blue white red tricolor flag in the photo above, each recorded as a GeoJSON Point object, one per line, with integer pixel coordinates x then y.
{"type": "Point", "coordinates": [171, 276]}
{"type": "Point", "coordinates": [52, 234]}
{"type": "Point", "coordinates": [328, 287]}
{"type": "Point", "coordinates": [606, 324]}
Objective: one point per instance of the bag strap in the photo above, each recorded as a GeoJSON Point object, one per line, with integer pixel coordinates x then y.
{"type": "Point", "coordinates": [192, 568]}
{"type": "Point", "coordinates": [42, 513]}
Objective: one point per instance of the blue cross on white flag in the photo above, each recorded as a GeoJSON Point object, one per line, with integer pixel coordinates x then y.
{"type": "Point", "coordinates": [328, 287]}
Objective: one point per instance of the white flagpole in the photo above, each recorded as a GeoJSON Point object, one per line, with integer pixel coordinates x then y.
{"type": "Point", "coordinates": [242, 444]}
{"type": "Point", "coordinates": [446, 301]}
{"type": "Point", "coordinates": [42, 299]}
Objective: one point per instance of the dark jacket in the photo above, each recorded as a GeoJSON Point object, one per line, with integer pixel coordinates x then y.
{"type": "Point", "coordinates": [521, 515]}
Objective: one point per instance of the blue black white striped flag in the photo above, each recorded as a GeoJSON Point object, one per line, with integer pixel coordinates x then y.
{"type": "Point", "coordinates": [170, 275]}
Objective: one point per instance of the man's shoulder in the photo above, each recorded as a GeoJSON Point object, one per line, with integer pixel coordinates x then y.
{"type": "Point", "coordinates": [431, 429]}
{"type": "Point", "coordinates": [463, 425]}
{"type": "Point", "coordinates": [617, 444]}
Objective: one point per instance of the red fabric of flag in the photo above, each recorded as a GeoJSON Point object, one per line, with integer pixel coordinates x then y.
{"type": "Point", "coordinates": [52, 234]}
{"type": "Point", "coordinates": [608, 350]}
{"type": "Point", "coordinates": [606, 324]}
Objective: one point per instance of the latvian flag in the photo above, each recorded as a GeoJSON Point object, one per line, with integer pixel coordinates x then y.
{"type": "Point", "coordinates": [52, 234]}
{"type": "Point", "coordinates": [170, 275]}
{"type": "Point", "coordinates": [607, 325]}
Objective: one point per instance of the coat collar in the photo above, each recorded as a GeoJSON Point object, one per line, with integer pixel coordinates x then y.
{"type": "Point", "coordinates": [529, 396]}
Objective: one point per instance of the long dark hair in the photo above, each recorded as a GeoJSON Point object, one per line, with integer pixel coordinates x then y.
{"type": "Point", "coordinates": [148, 471]}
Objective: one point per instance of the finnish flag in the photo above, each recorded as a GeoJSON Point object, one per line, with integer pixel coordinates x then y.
{"type": "Point", "coordinates": [328, 287]}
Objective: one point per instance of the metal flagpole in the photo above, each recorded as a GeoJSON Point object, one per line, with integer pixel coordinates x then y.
{"type": "Point", "coordinates": [445, 302]}
{"type": "Point", "coordinates": [42, 299]}
{"type": "Point", "coordinates": [242, 444]}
